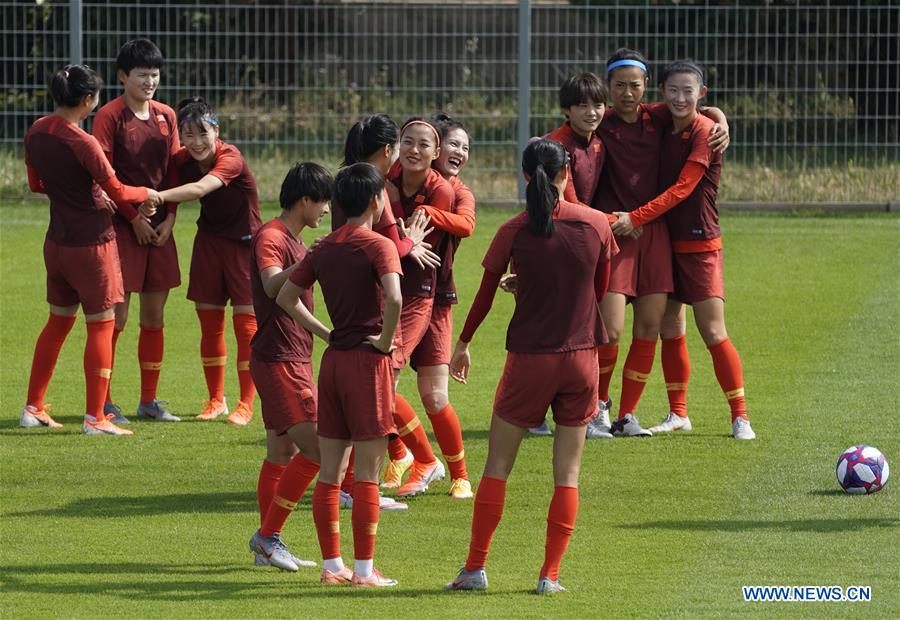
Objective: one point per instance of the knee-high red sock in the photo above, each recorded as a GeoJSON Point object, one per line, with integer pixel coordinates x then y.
{"type": "Point", "coordinates": [560, 523]}
{"type": "Point", "coordinates": [676, 366]}
{"type": "Point", "coordinates": [212, 351]}
{"type": "Point", "coordinates": [327, 519]}
{"type": "Point", "coordinates": [293, 484]}
{"type": "Point", "coordinates": [485, 519]}
{"type": "Point", "coordinates": [364, 519]}
{"type": "Point", "coordinates": [347, 482]}
{"type": "Point", "coordinates": [244, 328]}
{"type": "Point", "coordinates": [46, 352]}
{"type": "Point", "coordinates": [635, 373]}
{"type": "Point", "coordinates": [449, 437]}
{"type": "Point", "coordinates": [97, 362]}
{"type": "Point", "coordinates": [607, 354]}
{"type": "Point", "coordinates": [411, 432]}
{"type": "Point", "coordinates": [112, 363]}
{"type": "Point", "coordinates": [150, 357]}
{"type": "Point", "coordinates": [269, 475]}
{"type": "Point", "coordinates": [730, 373]}
{"type": "Point", "coordinates": [396, 449]}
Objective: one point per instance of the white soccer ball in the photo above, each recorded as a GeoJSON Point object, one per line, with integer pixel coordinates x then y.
{"type": "Point", "coordinates": [862, 469]}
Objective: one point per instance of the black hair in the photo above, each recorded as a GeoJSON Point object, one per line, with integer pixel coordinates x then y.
{"type": "Point", "coordinates": [445, 123]}
{"type": "Point", "coordinates": [71, 84]}
{"type": "Point", "coordinates": [355, 186]}
{"type": "Point", "coordinates": [139, 53]}
{"type": "Point", "coordinates": [305, 179]}
{"type": "Point", "coordinates": [682, 66]}
{"type": "Point", "coordinates": [582, 88]}
{"type": "Point", "coordinates": [624, 53]}
{"type": "Point", "coordinates": [367, 136]}
{"type": "Point", "coordinates": [542, 160]}
{"type": "Point", "coordinates": [419, 120]}
{"type": "Point", "coordinates": [195, 111]}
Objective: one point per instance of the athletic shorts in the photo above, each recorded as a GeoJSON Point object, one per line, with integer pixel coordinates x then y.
{"type": "Point", "coordinates": [356, 394]}
{"type": "Point", "coordinates": [415, 316]}
{"type": "Point", "coordinates": [89, 275]}
{"type": "Point", "coordinates": [531, 382]}
{"type": "Point", "coordinates": [287, 391]}
{"type": "Point", "coordinates": [436, 346]}
{"type": "Point", "coordinates": [698, 276]}
{"type": "Point", "coordinates": [643, 266]}
{"type": "Point", "coordinates": [147, 268]}
{"type": "Point", "coordinates": [220, 270]}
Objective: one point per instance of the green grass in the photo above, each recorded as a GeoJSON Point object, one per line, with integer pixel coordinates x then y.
{"type": "Point", "coordinates": [156, 525]}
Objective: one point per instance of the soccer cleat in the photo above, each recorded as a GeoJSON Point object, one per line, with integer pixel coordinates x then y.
{"type": "Point", "coordinates": [32, 417]}
{"type": "Point", "coordinates": [114, 414]}
{"type": "Point", "coordinates": [336, 579]}
{"type": "Point", "coordinates": [393, 473]}
{"type": "Point", "coordinates": [421, 477]}
{"type": "Point", "coordinates": [242, 415]}
{"type": "Point", "coordinates": [212, 409]}
{"type": "Point", "coordinates": [741, 429]}
{"type": "Point", "coordinates": [156, 411]}
{"type": "Point", "coordinates": [389, 503]}
{"type": "Point", "coordinates": [274, 551]}
{"type": "Point", "coordinates": [460, 488]}
{"type": "Point", "coordinates": [469, 580]}
{"type": "Point", "coordinates": [599, 426]}
{"type": "Point", "coordinates": [548, 586]}
{"type": "Point", "coordinates": [261, 560]}
{"type": "Point", "coordinates": [345, 500]}
{"type": "Point", "coordinates": [673, 422]}
{"type": "Point", "coordinates": [375, 580]}
{"type": "Point", "coordinates": [93, 426]}
{"type": "Point", "coordinates": [541, 431]}
{"type": "Point", "coordinates": [628, 426]}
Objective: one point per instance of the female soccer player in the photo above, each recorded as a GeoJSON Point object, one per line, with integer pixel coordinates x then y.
{"type": "Point", "coordinates": [216, 174]}
{"type": "Point", "coordinates": [690, 170]}
{"type": "Point", "coordinates": [552, 350]}
{"type": "Point", "coordinates": [80, 253]}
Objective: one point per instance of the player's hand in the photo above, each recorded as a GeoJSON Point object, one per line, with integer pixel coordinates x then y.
{"type": "Point", "coordinates": [148, 207]}
{"type": "Point", "coordinates": [393, 192]}
{"type": "Point", "coordinates": [143, 230]}
{"type": "Point", "coordinates": [637, 232]}
{"type": "Point", "coordinates": [378, 343]}
{"type": "Point", "coordinates": [508, 283]}
{"type": "Point", "coordinates": [460, 363]}
{"type": "Point", "coordinates": [164, 230]}
{"type": "Point", "coordinates": [424, 257]}
{"type": "Point", "coordinates": [719, 138]}
{"type": "Point", "coordinates": [416, 226]}
{"type": "Point", "coordinates": [623, 225]}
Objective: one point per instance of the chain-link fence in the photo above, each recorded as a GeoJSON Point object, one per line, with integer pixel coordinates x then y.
{"type": "Point", "coordinates": [808, 89]}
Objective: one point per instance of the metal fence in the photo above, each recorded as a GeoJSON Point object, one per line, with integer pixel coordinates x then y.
{"type": "Point", "coordinates": [804, 86]}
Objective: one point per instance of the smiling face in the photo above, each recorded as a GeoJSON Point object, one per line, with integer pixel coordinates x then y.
{"type": "Point", "coordinates": [585, 117]}
{"type": "Point", "coordinates": [626, 89]}
{"type": "Point", "coordinates": [140, 83]}
{"type": "Point", "coordinates": [200, 140]}
{"type": "Point", "coordinates": [418, 148]}
{"type": "Point", "coordinates": [682, 92]}
{"type": "Point", "coordinates": [454, 152]}
{"type": "Point", "coordinates": [313, 212]}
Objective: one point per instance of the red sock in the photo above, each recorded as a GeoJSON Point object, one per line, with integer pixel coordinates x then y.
{"type": "Point", "coordinates": [347, 482]}
{"type": "Point", "coordinates": [365, 519]}
{"type": "Point", "coordinates": [396, 449]}
{"type": "Point", "coordinates": [676, 366]}
{"type": "Point", "coordinates": [150, 356]}
{"type": "Point", "coordinates": [97, 362]}
{"type": "Point", "coordinates": [637, 369]}
{"type": "Point", "coordinates": [411, 432]}
{"type": "Point", "coordinates": [607, 354]}
{"type": "Point", "coordinates": [212, 351]}
{"type": "Point", "coordinates": [730, 373]}
{"type": "Point", "coordinates": [269, 475]}
{"type": "Point", "coordinates": [560, 523]}
{"type": "Point", "coordinates": [46, 352]}
{"type": "Point", "coordinates": [112, 362]}
{"type": "Point", "coordinates": [485, 519]}
{"type": "Point", "coordinates": [327, 519]}
{"type": "Point", "coordinates": [293, 484]}
{"type": "Point", "coordinates": [449, 437]}
{"type": "Point", "coordinates": [244, 328]}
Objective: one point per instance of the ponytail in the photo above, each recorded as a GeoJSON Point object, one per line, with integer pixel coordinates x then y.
{"type": "Point", "coordinates": [542, 161]}
{"type": "Point", "coordinates": [367, 136]}
{"type": "Point", "coordinates": [70, 85]}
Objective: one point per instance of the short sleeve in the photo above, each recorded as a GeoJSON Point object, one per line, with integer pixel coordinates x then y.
{"type": "Point", "coordinates": [701, 152]}
{"type": "Point", "coordinates": [498, 255]}
{"type": "Point", "coordinates": [267, 251]}
{"type": "Point", "coordinates": [104, 130]}
{"type": "Point", "coordinates": [384, 257]}
{"type": "Point", "coordinates": [387, 218]}
{"type": "Point", "coordinates": [90, 155]}
{"type": "Point", "coordinates": [174, 140]}
{"type": "Point", "coordinates": [659, 112]}
{"type": "Point", "coordinates": [304, 276]}
{"type": "Point", "coordinates": [229, 164]}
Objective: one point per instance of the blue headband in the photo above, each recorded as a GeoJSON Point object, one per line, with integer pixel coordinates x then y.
{"type": "Point", "coordinates": [627, 63]}
{"type": "Point", "coordinates": [209, 119]}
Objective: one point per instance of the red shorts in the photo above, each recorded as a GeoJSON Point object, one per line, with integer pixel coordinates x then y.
{"type": "Point", "coordinates": [566, 382]}
{"type": "Point", "coordinates": [287, 391]}
{"type": "Point", "coordinates": [643, 266]}
{"type": "Point", "coordinates": [699, 276]}
{"type": "Point", "coordinates": [220, 270]}
{"type": "Point", "coordinates": [415, 317]}
{"type": "Point", "coordinates": [436, 346]}
{"type": "Point", "coordinates": [85, 274]}
{"type": "Point", "coordinates": [356, 394]}
{"type": "Point", "coordinates": [147, 268]}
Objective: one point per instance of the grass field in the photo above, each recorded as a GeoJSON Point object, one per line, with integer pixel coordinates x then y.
{"type": "Point", "coordinates": [157, 525]}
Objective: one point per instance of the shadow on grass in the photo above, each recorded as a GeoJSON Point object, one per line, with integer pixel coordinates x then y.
{"type": "Point", "coordinates": [830, 493]}
{"type": "Point", "coordinates": [795, 525]}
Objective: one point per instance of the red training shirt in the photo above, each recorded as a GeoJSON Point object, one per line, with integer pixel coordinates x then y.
{"type": "Point", "coordinates": [586, 159]}
{"type": "Point", "coordinates": [458, 224]}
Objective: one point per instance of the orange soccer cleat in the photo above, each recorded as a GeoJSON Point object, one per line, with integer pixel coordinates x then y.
{"type": "Point", "coordinates": [212, 409]}
{"type": "Point", "coordinates": [242, 415]}
{"type": "Point", "coordinates": [32, 417]}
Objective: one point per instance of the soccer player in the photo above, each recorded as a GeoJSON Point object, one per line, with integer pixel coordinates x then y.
{"type": "Point", "coordinates": [80, 253]}
{"type": "Point", "coordinates": [280, 362]}
{"type": "Point", "coordinates": [359, 272]}
{"type": "Point", "coordinates": [689, 171]}
{"type": "Point", "coordinates": [215, 173]}
{"type": "Point", "coordinates": [552, 351]}
{"type": "Point", "coordinates": [138, 136]}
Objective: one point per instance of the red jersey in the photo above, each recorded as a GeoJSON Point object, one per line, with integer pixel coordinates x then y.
{"type": "Point", "coordinates": [349, 264]}
{"type": "Point", "coordinates": [139, 150]}
{"type": "Point", "coordinates": [585, 162]}
{"type": "Point", "coordinates": [464, 207]}
{"type": "Point", "coordinates": [68, 164]}
{"type": "Point", "coordinates": [556, 304]}
{"type": "Point", "coordinates": [278, 337]}
{"type": "Point", "coordinates": [232, 211]}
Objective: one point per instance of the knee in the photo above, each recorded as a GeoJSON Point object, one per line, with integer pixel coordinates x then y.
{"type": "Point", "coordinates": [152, 319]}
{"type": "Point", "coordinates": [672, 327]}
{"type": "Point", "coordinates": [646, 329]}
{"type": "Point", "coordinates": [713, 333]}
{"type": "Point", "coordinates": [280, 455]}
{"type": "Point", "coordinates": [435, 401]}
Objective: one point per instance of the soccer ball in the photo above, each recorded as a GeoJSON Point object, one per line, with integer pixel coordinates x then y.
{"type": "Point", "coordinates": [862, 469]}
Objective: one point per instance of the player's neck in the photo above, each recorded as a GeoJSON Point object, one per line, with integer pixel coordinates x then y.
{"type": "Point", "coordinates": [413, 180]}
{"type": "Point", "coordinates": [680, 124]}
{"type": "Point", "coordinates": [141, 109]}
{"type": "Point", "coordinates": [73, 115]}
{"type": "Point", "coordinates": [366, 220]}
{"type": "Point", "coordinates": [586, 135]}
{"type": "Point", "coordinates": [293, 222]}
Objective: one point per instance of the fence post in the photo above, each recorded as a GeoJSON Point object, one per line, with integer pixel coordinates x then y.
{"type": "Point", "coordinates": [524, 79]}
{"type": "Point", "coordinates": [75, 28]}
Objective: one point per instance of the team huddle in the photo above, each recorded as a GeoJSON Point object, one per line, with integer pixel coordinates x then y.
{"type": "Point", "coordinates": [620, 209]}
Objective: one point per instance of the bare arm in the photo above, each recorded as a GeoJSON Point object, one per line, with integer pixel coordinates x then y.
{"type": "Point", "coordinates": [289, 300]}
{"type": "Point", "coordinates": [393, 301]}
{"type": "Point", "coordinates": [192, 191]}
{"type": "Point", "coordinates": [273, 278]}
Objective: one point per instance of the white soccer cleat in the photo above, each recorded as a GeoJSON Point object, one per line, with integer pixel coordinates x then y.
{"type": "Point", "coordinates": [628, 426]}
{"type": "Point", "coordinates": [33, 417]}
{"type": "Point", "coordinates": [389, 503]}
{"type": "Point", "coordinates": [673, 422]}
{"type": "Point", "coordinates": [741, 429]}
{"type": "Point", "coordinates": [548, 586]}
{"type": "Point", "coordinates": [92, 426]}
{"type": "Point", "coordinates": [345, 500]}
{"type": "Point", "coordinates": [469, 580]}
{"type": "Point", "coordinates": [541, 431]}
{"type": "Point", "coordinates": [599, 426]}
